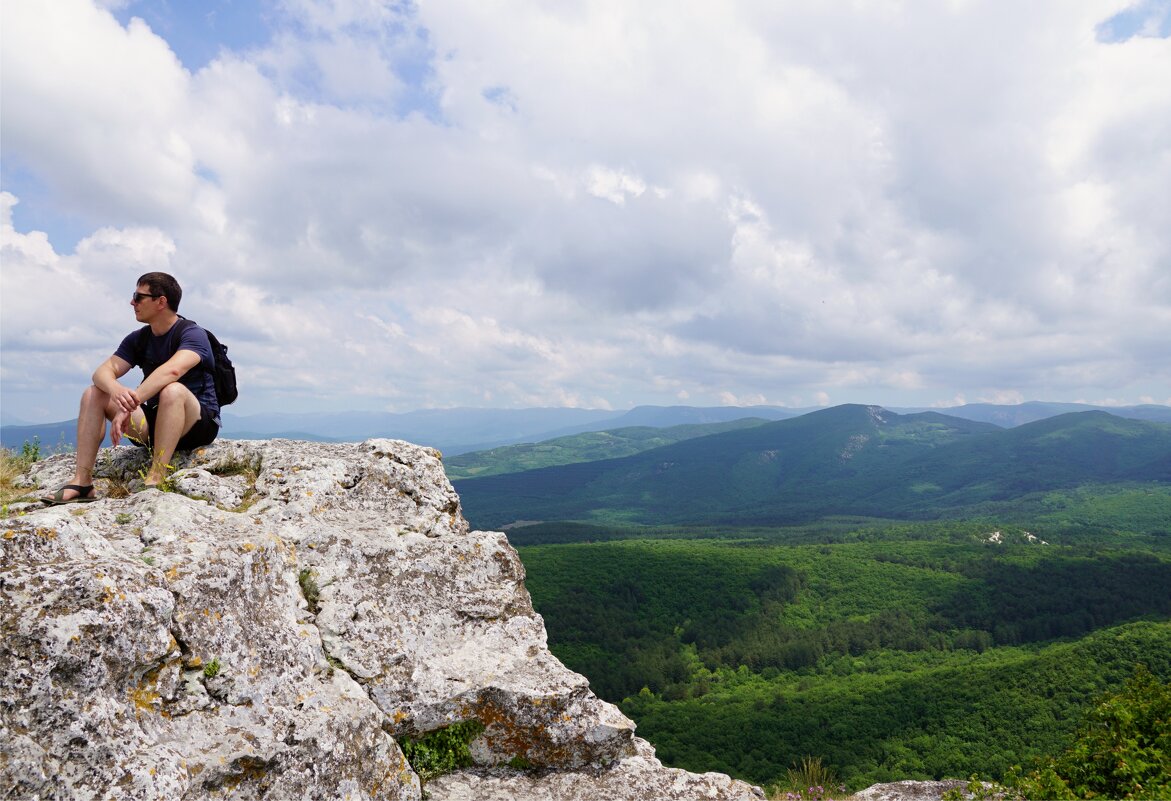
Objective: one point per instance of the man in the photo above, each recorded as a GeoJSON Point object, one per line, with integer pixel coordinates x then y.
{"type": "Point", "coordinates": [175, 406]}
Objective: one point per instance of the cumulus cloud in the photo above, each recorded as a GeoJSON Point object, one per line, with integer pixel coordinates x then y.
{"type": "Point", "coordinates": [603, 203]}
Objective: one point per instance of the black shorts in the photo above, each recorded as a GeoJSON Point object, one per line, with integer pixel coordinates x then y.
{"type": "Point", "coordinates": [202, 433]}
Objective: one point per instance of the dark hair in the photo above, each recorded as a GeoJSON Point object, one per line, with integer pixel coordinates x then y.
{"type": "Point", "coordinates": [163, 284]}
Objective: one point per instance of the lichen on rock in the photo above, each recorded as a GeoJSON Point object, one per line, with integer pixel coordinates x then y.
{"type": "Point", "coordinates": [272, 627]}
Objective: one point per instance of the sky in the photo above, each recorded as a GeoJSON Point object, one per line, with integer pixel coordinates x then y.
{"type": "Point", "coordinates": [594, 203]}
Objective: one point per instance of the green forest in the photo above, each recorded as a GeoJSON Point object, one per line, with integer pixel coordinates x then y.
{"type": "Point", "coordinates": [912, 651]}
{"type": "Point", "coordinates": [895, 596]}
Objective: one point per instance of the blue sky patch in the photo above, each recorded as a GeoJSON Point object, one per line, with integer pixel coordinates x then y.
{"type": "Point", "coordinates": [1151, 19]}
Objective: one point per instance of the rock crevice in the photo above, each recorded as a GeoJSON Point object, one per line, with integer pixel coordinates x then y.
{"type": "Point", "coordinates": [272, 627]}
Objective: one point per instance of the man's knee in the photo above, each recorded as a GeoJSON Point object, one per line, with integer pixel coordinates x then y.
{"type": "Point", "coordinates": [94, 397]}
{"type": "Point", "coordinates": [175, 393]}
{"type": "Point", "coordinates": [98, 399]}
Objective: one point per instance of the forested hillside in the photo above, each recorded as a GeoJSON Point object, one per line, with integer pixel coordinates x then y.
{"type": "Point", "coordinates": [848, 460]}
{"type": "Point", "coordinates": [591, 446]}
{"type": "Point", "coordinates": [915, 651]}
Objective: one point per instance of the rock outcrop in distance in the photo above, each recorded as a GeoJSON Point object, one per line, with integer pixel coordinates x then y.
{"type": "Point", "coordinates": [275, 626]}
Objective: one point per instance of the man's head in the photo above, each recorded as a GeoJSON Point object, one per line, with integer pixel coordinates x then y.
{"type": "Point", "coordinates": [161, 285]}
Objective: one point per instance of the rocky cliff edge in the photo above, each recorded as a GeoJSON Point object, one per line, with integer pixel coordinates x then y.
{"type": "Point", "coordinates": [274, 626]}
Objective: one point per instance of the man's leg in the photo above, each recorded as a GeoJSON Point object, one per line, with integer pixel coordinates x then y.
{"type": "Point", "coordinates": [178, 412]}
{"type": "Point", "coordinates": [95, 409]}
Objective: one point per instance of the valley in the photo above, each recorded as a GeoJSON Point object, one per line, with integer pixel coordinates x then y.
{"type": "Point", "coordinates": [903, 596]}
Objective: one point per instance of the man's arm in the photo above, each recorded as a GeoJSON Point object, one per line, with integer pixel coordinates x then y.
{"type": "Point", "coordinates": [124, 398]}
{"type": "Point", "coordinates": [106, 378]}
{"type": "Point", "coordinates": [168, 372]}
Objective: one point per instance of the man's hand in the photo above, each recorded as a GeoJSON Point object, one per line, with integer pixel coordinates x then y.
{"type": "Point", "coordinates": [119, 426]}
{"type": "Point", "coordinates": [126, 399]}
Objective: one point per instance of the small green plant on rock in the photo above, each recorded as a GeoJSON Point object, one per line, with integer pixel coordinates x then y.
{"type": "Point", "coordinates": [168, 482]}
{"type": "Point", "coordinates": [241, 466]}
{"type": "Point", "coordinates": [12, 467]}
{"type": "Point", "coordinates": [30, 451]}
{"type": "Point", "coordinates": [212, 668]}
{"type": "Point", "coordinates": [443, 750]}
{"type": "Point", "coordinates": [307, 578]}
{"type": "Point", "coordinates": [809, 781]}
{"type": "Point", "coordinates": [977, 790]}
{"type": "Point", "coordinates": [519, 763]}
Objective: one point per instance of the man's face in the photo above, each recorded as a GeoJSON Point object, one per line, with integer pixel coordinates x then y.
{"type": "Point", "coordinates": [145, 306]}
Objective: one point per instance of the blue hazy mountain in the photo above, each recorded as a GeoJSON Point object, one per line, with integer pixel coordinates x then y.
{"type": "Point", "coordinates": [1032, 411]}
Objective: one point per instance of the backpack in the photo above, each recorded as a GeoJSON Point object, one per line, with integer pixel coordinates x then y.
{"type": "Point", "coordinates": [224, 373]}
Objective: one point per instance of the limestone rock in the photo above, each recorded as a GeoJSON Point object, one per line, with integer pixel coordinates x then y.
{"type": "Point", "coordinates": [910, 791]}
{"type": "Point", "coordinates": [635, 778]}
{"type": "Point", "coordinates": [269, 629]}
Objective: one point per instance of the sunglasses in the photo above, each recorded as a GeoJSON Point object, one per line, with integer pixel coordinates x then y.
{"type": "Point", "coordinates": [137, 296]}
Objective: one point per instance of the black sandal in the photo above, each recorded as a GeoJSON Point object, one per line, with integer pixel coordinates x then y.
{"type": "Point", "coordinates": [58, 498]}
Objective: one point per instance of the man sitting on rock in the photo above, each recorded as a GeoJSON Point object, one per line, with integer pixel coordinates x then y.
{"type": "Point", "coordinates": [175, 406]}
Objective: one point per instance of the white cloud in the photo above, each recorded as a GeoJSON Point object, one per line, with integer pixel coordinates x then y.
{"type": "Point", "coordinates": [602, 203]}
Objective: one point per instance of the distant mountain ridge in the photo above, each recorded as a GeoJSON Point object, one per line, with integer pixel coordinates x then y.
{"type": "Point", "coordinates": [462, 430]}
{"type": "Point", "coordinates": [1010, 416]}
{"type": "Point", "coordinates": [861, 460]}
{"type": "Point", "coordinates": [585, 447]}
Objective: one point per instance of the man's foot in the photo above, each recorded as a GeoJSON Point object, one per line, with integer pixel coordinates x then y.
{"type": "Point", "coordinates": [152, 480]}
{"type": "Point", "coordinates": [79, 494]}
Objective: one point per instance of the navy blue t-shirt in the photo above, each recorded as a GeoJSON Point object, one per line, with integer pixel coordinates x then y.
{"type": "Point", "coordinates": [199, 379]}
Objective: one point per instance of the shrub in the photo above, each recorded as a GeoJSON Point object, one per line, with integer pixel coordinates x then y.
{"type": "Point", "coordinates": [1123, 750]}
{"type": "Point", "coordinates": [442, 750]}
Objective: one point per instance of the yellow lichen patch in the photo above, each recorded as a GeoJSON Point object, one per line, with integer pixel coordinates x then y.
{"type": "Point", "coordinates": [400, 716]}
{"type": "Point", "coordinates": [254, 671]}
{"type": "Point", "coordinates": [309, 493]}
{"type": "Point", "coordinates": [173, 573]}
{"type": "Point", "coordinates": [144, 699]}
{"type": "Point", "coordinates": [46, 533]}
{"type": "Point", "coordinates": [195, 661]}
{"type": "Point", "coordinates": [248, 547]}
{"type": "Point", "coordinates": [108, 596]}
{"type": "Point", "coordinates": [9, 534]}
